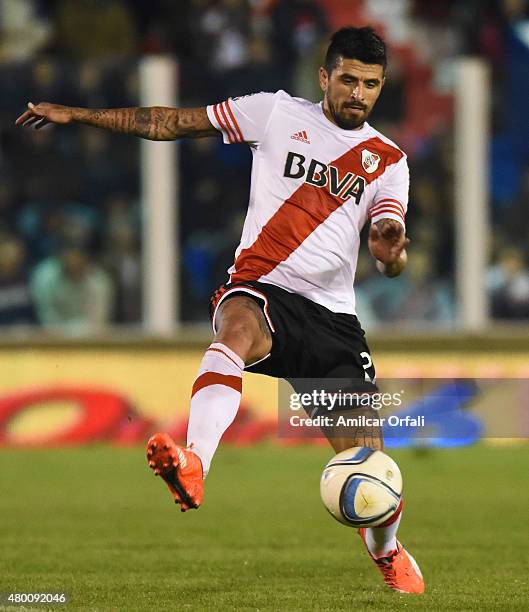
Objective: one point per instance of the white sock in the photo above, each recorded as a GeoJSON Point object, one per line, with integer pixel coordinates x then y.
{"type": "Point", "coordinates": [381, 541]}
{"type": "Point", "coordinates": [214, 401]}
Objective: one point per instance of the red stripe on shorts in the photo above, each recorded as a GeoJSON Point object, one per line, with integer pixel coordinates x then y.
{"type": "Point", "coordinates": [217, 295]}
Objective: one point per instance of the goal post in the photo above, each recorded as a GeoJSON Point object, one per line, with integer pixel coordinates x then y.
{"type": "Point", "coordinates": [159, 204]}
{"type": "Point", "coordinates": [471, 159]}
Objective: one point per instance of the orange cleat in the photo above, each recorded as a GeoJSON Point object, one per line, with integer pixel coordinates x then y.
{"type": "Point", "coordinates": [180, 468]}
{"type": "Point", "coordinates": [399, 569]}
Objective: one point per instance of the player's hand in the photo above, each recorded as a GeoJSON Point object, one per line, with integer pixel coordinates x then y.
{"type": "Point", "coordinates": [387, 241]}
{"type": "Point", "coordinates": [41, 114]}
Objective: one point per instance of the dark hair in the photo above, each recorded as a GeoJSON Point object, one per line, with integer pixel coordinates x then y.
{"type": "Point", "coordinates": [362, 44]}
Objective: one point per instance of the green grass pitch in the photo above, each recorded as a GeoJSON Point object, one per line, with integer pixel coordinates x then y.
{"type": "Point", "coordinates": [95, 523]}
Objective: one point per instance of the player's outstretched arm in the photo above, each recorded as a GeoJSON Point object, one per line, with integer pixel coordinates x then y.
{"type": "Point", "coordinates": [387, 243]}
{"type": "Point", "coordinates": [152, 123]}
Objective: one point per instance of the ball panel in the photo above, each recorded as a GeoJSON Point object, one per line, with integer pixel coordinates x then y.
{"type": "Point", "coordinates": [367, 501]}
{"type": "Point", "coordinates": [331, 484]}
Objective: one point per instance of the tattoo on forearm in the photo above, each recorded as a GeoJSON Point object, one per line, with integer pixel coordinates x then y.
{"type": "Point", "coordinates": [140, 121]}
{"type": "Point", "coordinates": [153, 123]}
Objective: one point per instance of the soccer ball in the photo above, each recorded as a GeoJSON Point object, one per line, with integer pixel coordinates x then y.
{"type": "Point", "coordinates": [361, 487]}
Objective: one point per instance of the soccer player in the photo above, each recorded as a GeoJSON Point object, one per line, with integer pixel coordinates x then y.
{"type": "Point", "coordinates": [319, 173]}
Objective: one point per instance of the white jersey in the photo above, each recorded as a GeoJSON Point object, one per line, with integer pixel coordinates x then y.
{"type": "Point", "coordinates": [314, 186]}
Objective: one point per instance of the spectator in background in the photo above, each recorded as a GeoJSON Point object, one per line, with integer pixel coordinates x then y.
{"type": "Point", "coordinates": [89, 84]}
{"type": "Point", "coordinates": [508, 283]}
{"type": "Point", "coordinates": [47, 78]}
{"type": "Point", "coordinates": [423, 297]}
{"type": "Point", "coordinates": [15, 300]}
{"type": "Point", "coordinates": [121, 257]}
{"type": "Point", "coordinates": [23, 31]}
{"type": "Point", "coordinates": [391, 106]}
{"type": "Point", "coordinates": [46, 225]}
{"type": "Point", "coordinates": [40, 224]}
{"type": "Point", "coordinates": [298, 27]}
{"type": "Point", "coordinates": [365, 270]}
{"type": "Point", "coordinates": [72, 294]}
{"type": "Point", "coordinates": [224, 32]}
{"type": "Point", "coordinates": [513, 219]}
{"type": "Point", "coordinates": [416, 296]}
{"type": "Point", "coordinates": [95, 28]}
{"type": "Point", "coordinates": [55, 185]}
{"type": "Point", "coordinates": [93, 151]}
{"type": "Point", "coordinates": [8, 205]}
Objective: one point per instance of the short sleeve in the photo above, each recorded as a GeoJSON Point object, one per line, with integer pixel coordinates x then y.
{"type": "Point", "coordinates": [243, 119]}
{"type": "Point", "coordinates": [391, 198]}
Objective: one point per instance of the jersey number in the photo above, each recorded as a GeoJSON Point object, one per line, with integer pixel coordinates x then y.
{"type": "Point", "coordinates": [368, 363]}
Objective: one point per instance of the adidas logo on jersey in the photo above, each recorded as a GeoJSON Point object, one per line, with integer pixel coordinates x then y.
{"type": "Point", "coordinates": [301, 136]}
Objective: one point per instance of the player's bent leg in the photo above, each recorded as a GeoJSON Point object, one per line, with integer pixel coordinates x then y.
{"type": "Point", "coordinates": [241, 326]}
{"type": "Point", "coordinates": [242, 336]}
{"type": "Point", "coordinates": [398, 568]}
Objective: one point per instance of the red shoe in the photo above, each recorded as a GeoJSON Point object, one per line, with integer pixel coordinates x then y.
{"type": "Point", "coordinates": [179, 467]}
{"type": "Point", "coordinates": [399, 569]}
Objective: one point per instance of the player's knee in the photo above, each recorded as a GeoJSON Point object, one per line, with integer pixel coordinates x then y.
{"type": "Point", "coordinates": [242, 337]}
{"type": "Point", "coordinates": [239, 327]}
{"type": "Point", "coordinates": [238, 330]}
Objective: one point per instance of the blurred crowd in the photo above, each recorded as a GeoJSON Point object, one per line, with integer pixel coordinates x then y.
{"type": "Point", "coordinates": [70, 222]}
{"type": "Point", "coordinates": [69, 204]}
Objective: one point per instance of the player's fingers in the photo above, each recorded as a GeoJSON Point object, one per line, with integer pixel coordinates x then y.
{"type": "Point", "coordinates": [29, 121]}
{"type": "Point", "coordinates": [20, 119]}
{"type": "Point", "coordinates": [36, 121]}
{"type": "Point", "coordinates": [24, 117]}
{"type": "Point", "coordinates": [41, 108]}
{"type": "Point", "coordinates": [395, 254]}
{"type": "Point", "coordinates": [374, 232]}
{"type": "Point", "coordinates": [393, 231]}
{"type": "Point", "coordinates": [398, 245]}
{"type": "Point", "coordinates": [398, 248]}
{"type": "Point", "coordinates": [41, 123]}
{"type": "Point", "coordinates": [389, 236]}
{"type": "Point", "coordinates": [35, 110]}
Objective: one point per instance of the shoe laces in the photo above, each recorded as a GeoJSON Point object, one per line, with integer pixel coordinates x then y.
{"type": "Point", "coordinates": [386, 567]}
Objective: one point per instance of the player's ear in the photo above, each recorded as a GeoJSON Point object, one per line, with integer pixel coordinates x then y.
{"type": "Point", "coordinates": [324, 78]}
